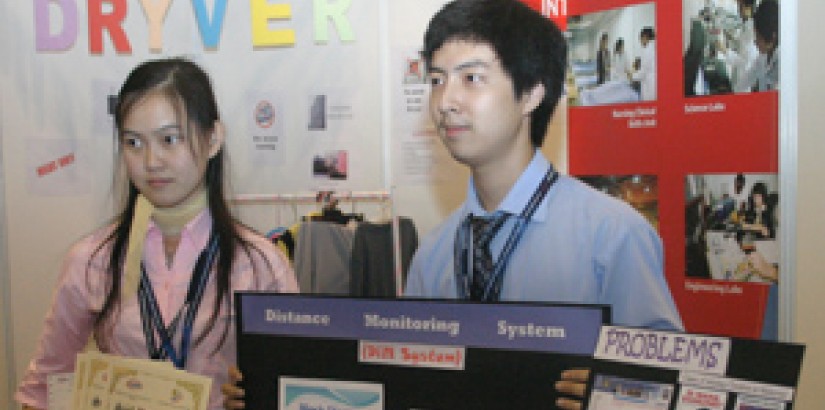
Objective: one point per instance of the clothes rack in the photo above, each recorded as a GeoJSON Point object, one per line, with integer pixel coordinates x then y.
{"type": "Point", "coordinates": [345, 196]}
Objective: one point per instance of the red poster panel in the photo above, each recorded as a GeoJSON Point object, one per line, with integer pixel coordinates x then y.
{"type": "Point", "coordinates": [656, 93]}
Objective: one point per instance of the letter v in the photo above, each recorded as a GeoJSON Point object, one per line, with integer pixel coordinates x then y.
{"type": "Point", "coordinates": [210, 28]}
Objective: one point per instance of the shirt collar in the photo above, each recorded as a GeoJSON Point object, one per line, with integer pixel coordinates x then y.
{"type": "Point", "coordinates": [519, 194]}
{"type": "Point", "coordinates": [774, 60]}
{"type": "Point", "coordinates": [196, 231]}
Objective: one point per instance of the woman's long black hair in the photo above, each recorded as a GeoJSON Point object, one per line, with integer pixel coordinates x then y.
{"type": "Point", "coordinates": [188, 87]}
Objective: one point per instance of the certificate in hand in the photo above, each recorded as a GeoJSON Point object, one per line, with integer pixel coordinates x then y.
{"type": "Point", "coordinates": [112, 382]}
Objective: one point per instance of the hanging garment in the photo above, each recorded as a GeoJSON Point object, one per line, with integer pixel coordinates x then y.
{"type": "Point", "coordinates": [322, 257]}
{"type": "Point", "coordinates": [373, 264]}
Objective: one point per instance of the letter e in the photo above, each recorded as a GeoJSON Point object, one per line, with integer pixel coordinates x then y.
{"type": "Point", "coordinates": [262, 12]}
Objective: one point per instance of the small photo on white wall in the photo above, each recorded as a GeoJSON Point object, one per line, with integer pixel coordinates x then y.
{"type": "Point", "coordinates": [331, 165]}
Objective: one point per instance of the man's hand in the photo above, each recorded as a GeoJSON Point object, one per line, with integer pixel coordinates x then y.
{"type": "Point", "coordinates": [232, 394]}
{"type": "Point", "coordinates": [573, 382]}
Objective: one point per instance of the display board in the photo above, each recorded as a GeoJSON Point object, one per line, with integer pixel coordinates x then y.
{"type": "Point", "coordinates": [653, 370]}
{"type": "Point", "coordinates": [302, 352]}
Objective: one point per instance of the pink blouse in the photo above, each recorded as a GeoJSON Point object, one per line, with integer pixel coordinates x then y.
{"type": "Point", "coordinates": [80, 294]}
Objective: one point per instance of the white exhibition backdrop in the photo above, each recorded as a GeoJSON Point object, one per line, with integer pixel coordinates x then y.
{"type": "Point", "coordinates": [57, 151]}
{"type": "Point", "coordinates": [57, 136]}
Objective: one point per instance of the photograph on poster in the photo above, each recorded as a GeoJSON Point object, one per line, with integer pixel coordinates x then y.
{"type": "Point", "coordinates": [731, 224]}
{"type": "Point", "coordinates": [317, 112]}
{"type": "Point", "coordinates": [304, 394]}
{"type": "Point", "coordinates": [264, 114]}
{"type": "Point", "coordinates": [414, 72]}
{"type": "Point", "coordinates": [330, 165]}
{"type": "Point", "coordinates": [265, 127]}
{"type": "Point", "coordinates": [611, 392]}
{"type": "Point", "coordinates": [730, 46]}
{"type": "Point", "coordinates": [612, 56]}
{"type": "Point", "coordinates": [691, 398]}
{"type": "Point", "coordinates": [755, 403]}
{"type": "Point", "coordinates": [640, 191]}
{"type": "Point", "coordinates": [328, 112]}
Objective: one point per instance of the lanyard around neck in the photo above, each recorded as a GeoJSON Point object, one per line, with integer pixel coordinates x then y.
{"type": "Point", "coordinates": [153, 321]}
{"type": "Point", "coordinates": [463, 246]}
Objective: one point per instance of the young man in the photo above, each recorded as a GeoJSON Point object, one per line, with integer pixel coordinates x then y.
{"type": "Point", "coordinates": [646, 72]}
{"type": "Point", "coordinates": [496, 69]}
{"type": "Point", "coordinates": [764, 73]}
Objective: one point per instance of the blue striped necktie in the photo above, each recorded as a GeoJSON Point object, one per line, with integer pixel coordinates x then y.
{"type": "Point", "coordinates": [484, 230]}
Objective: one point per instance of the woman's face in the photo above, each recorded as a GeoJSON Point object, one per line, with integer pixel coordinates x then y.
{"type": "Point", "coordinates": [758, 200]}
{"type": "Point", "coordinates": [164, 162]}
{"type": "Point", "coordinates": [763, 45]}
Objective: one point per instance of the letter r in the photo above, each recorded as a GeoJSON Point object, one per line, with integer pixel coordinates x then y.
{"type": "Point", "coordinates": [336, 13]}
{"type": "Point", "coordinates": [98, 21]}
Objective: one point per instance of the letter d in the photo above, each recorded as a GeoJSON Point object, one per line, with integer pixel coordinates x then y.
{"type": "Point", "coordinates": [63, 40]}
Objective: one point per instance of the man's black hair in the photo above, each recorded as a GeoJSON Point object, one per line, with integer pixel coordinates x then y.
{"type": "Point", "coordinates": [619, 45]}
{"type": "Point", "coordinates": [740, 178]}
{"type": "Point", "coordinates": [766, 21]}
{"type": "Point", "coordinates": [530, 47]}
{"type": "Point", "coordinates": [648, 31]}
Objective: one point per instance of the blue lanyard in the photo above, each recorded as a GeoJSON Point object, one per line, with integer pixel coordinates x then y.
{"type": "Point", "coordinates": [464, 241]}
{"type": "Point", "coordinates": [153, 321]}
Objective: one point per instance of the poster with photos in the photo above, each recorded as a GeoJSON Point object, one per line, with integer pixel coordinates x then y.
{"type": "Point", "coordinates": [638, 368]}
{"type": "Point", "coordinates": [665, 89]}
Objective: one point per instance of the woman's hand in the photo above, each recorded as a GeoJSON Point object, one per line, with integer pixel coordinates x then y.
{"type": "Point", "coordinates": [573, 382]}
{"type": "Point", "coordinates": [232, 393]}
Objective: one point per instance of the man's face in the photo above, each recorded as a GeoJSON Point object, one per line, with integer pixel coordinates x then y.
{"type": "Point", "coordinates": [644, 39]}
{"type": "Point", "coordinates": [473, 105]}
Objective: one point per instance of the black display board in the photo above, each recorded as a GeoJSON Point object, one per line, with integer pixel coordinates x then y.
{"type": "Point", "coordinates": [311, 352]}
{"type": "Point", "coordinates": [652, 370]}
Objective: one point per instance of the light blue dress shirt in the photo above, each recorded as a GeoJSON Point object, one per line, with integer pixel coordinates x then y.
{"type": "Point", "coordinates": [581, 246]}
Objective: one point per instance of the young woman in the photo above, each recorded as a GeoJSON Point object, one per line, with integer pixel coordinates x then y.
{"type": "Point", "coordinates": [157, 282]}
